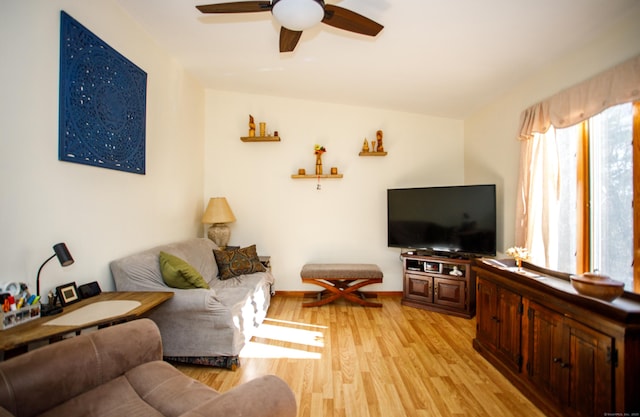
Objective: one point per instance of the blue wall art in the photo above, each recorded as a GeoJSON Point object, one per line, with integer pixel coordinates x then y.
{"type": "Point", "coordinates": [102, 102]}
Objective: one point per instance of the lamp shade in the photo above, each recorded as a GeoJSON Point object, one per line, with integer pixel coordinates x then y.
{"type": "Point", "coordinates": [63, 254]}
{"type": "Point", "coordinates": [218, 211]}
{"type": "Point", "coordinates": [298, 14]}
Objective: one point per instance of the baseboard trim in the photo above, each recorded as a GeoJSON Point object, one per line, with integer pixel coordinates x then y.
{"type": "Point", "coordinates": [306, 293]}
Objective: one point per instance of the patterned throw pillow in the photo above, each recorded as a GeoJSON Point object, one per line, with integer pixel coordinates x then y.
{"type": "Point", "coordinates": [232, 263]}
{"type": "Point", "coordinates": [177, 273]}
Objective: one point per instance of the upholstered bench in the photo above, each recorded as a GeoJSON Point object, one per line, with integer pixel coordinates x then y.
{"type": "Point", "coordinates": [341, 281]}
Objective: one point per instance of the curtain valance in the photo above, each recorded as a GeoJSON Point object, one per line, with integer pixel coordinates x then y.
{"type": "Point", "coordinates": [620, 84]}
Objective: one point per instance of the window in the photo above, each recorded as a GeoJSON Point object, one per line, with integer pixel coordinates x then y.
{"type": "Point", "coordinates": [595, 208]}
{"type": "Point", "coordinates": [578, 206]}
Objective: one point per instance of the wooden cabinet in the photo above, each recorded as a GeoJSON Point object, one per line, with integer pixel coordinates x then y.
{"type": "Point", "coordinates": [451, 293]}
{"type": "Point", "coordinates": [499, 321]}
{"type": "Point", "coordinates": [544, 362]}
{"type": "Point", "coordinates": [570, 363]}
{"type": "Point", "coordinates": [439, 284]}
{"type": "Point", "coordinates": [571, 355]}
{"type": "Point", "coordinates": [587, 371]}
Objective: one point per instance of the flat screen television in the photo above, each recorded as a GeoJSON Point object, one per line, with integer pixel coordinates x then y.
{"type": "Point", "coordinates": [448, 221]}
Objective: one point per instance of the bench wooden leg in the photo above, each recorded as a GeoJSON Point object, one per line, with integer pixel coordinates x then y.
{"type": "Point", "coordinates": [348, 289]}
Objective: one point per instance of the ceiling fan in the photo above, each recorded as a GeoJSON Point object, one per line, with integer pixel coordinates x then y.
{"type": "Point", "coordinates": [295, 16]}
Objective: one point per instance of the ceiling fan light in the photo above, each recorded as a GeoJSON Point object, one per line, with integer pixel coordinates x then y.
{"type": "Point", "coordinates": [298, 15]}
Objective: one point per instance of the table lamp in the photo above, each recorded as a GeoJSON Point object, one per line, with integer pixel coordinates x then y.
{"type": "Point", "coordinates": [218, 213]}
{"type": "Point", "coordinates": [60, 250]}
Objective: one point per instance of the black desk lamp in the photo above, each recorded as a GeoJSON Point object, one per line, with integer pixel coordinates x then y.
{"type": "Point", "coordinates": [60, 250]}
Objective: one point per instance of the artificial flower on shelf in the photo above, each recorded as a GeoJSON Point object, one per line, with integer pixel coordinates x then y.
{"type": "Point", "coordinates": [319, 150]}
{"type": "Point", "coordinates": [519, 254]}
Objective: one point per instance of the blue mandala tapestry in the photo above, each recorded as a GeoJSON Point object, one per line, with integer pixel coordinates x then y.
{"type": "Point", "coordinates": [102, 102]}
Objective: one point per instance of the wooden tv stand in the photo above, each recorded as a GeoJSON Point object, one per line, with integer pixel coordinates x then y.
{"type": "Point", "coordinates": [445, 285]}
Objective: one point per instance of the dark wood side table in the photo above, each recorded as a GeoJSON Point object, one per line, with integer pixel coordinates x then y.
{"type": "Point", "coordinates": [16, 340]}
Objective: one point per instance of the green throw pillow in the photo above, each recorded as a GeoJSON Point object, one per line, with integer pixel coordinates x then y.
{"type": "Point", "coordinates": [177, 273]}
{"type": "Point", "coordinates": [232, 263]}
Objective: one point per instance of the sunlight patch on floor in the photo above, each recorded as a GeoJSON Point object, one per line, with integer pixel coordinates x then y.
{"type": "Point", "coordinates": [288, 332]}
{"type": "Point", "coordinates": [265, 351]}
{"type": "Point", "coordinates": [294, 323]}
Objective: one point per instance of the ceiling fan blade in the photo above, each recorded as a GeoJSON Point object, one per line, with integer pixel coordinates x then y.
{"type": "Point", "coordinates": [345, 19]}
{"type": "Point", "coordinates": [236, 7]}
{"type": "Point", "coordinates": [289, 39]}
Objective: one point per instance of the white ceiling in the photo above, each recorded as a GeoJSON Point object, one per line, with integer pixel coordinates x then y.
{"type": "Point", "coordinates": [437, 57]}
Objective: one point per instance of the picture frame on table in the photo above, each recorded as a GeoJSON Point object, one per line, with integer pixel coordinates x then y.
{"type": "Point", "coordinates": [68, 294]}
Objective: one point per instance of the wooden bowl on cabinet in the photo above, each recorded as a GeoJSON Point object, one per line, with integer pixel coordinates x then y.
{"type": "Point", "coordinates": [598, 286]}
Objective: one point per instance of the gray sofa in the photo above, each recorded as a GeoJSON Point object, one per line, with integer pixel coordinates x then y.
{"type": "Point", "coordinates": [200, 326]}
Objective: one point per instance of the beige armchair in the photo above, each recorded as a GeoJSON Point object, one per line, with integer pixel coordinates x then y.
{"type": "Point", "coordinates": [118, 371]}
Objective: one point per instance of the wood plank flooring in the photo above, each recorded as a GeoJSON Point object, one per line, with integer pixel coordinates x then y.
{"type": "Point", "coordinates": [344, 360]}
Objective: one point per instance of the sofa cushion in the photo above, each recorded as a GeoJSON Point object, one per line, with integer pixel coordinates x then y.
{"type": "Point", "coordinates": [177, 273]}
{"type": "Point", "coordinates": [167, 389]}
{"type": "Point", "coordinates": [115, 398]}
{"type": "Point", "coordinates": [152, 389]}
{"type": "Point", "coordinates": [236, 262]}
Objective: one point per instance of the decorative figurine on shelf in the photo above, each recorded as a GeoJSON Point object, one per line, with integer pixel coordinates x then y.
{"type": "Point", "coordinates": [365, 145]}
{"type": "Point", "coordinates": [318, 151]}
{"type": "Point", "coordinates": [379, 148]}
{"type": "Point", "coordinates": [456, 272]}
{"type": "Point", "coordinates": [263, 129]}
{"type": "Point", "coordinates": [252, 127]}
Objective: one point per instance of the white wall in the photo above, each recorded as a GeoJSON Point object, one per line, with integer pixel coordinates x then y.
{"type": "Point", "coordinates": [193, 146]}
{"type": "Point", "coordinates": [345, 221]}
{"type": "Point", "coordinates": [491, 148]}
{"type": "Point", "coordinates": [101, 214]}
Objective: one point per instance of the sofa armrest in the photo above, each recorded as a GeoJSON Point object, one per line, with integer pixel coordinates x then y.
{"type": "Point", "coordinates": [192, 300]}
{"type": "Point", "coordinates": [46, 377]}
{"type": "Point", "coordinates": [266, 396]}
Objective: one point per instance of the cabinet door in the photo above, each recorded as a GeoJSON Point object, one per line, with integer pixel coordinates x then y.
{"type": "Point", "coordinates": [419, 288]}
{"type": "Point", "coordinates": [486, 313]}
{"type": "Point", "coordinates": [509, 327]}
{"type": "Point", "coordinates": [590, 370]}
{"type": "Point", "coordinates": [449, 292]}
{"type": "Point", "coordinates": [547, 356]}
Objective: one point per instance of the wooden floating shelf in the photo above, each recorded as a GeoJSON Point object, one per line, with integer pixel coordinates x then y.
{"type": "Point", "coordinates": [372, 153]}
{"type": "Point", "coordinates": [260, 138]}
{"type": "Point", "coordinates": [296, 176]}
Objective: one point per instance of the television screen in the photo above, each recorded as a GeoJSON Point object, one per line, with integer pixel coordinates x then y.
{"type": "Point", "coordinates": [452, 220]}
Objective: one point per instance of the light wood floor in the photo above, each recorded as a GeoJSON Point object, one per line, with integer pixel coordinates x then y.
{"type": "Point", "coordinates": [344, 360]}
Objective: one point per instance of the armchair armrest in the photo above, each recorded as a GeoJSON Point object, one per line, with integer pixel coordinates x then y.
{"type": "Point", "coordinates": [5, 413]}
{"type": "Point", "coordinates": [266, 396]}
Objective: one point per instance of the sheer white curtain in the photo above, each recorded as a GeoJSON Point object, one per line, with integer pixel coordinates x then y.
{"type": "Point", "coordinates": [538, 198]}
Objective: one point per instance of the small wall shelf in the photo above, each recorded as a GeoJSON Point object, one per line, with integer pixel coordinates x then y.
{"type": "Point", "coordinates": [260, 138]}
{"type": "Point", "coordinates": [307, 176]}
{"type": "Point", "coordinates": [372, 154]}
